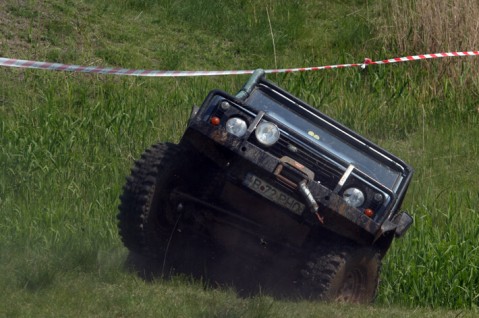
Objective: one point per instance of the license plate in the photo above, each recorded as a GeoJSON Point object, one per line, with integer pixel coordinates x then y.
{"type": "Point", "coordinates": [271, 193]}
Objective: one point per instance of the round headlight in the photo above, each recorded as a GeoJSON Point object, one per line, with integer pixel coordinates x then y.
{"type": "Point", "coordinates": [354, 197]}
{"type": "Point", "coordinates": [236, 126]}
{"type": "Point", "coordinates": [267, 133]}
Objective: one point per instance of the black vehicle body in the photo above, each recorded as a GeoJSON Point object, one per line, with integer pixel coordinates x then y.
{"type": "Point", "coordinates": [330, 161]}
{"type": "Point", "coordinates": [319, 205]}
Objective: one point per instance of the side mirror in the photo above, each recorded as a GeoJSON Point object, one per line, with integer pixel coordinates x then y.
{"type": "Point", "coordinates": [405, 221]}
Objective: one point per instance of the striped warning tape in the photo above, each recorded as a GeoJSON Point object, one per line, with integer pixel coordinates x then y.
{"type": "Point", "coordinates": [423, 57]}
{"type": "Point", "coordinates": [8, 62]}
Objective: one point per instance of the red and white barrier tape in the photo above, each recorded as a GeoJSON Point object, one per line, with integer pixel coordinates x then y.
{"type": "Point", "coordinates": [158, 73]}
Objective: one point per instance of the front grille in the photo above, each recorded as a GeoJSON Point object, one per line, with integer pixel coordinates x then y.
{"type": "Point", "coordinates": [324, 170]}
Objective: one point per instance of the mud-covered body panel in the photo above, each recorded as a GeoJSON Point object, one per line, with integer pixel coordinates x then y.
{"type": "Point", "coordinates": [238, 159]}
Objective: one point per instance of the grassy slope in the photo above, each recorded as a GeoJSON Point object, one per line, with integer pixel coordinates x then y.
{"type": "Point", "coordinates": [68, 140]}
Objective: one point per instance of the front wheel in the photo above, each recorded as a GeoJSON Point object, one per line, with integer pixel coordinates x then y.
{"type": "Point", "coordinates": [342, 273]}
{"type": "Point", "coordinates": [146, 217]}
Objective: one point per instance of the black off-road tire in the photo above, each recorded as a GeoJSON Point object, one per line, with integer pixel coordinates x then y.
{"type": "Point", "coordinates": [146, 219]}
{"type": "Point", "coordinates": [342, 273]}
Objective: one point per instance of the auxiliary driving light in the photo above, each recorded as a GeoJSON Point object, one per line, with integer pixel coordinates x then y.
{"type": "Point", "coordinates": [353, 197]}
{"type": "Point", "coordinates": [236, 126]}
{"type": "Point", "coordinates": [267, 133]}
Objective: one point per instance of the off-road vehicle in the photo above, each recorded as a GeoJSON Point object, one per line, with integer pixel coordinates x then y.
{"type": "Point", "coordinates": [264, 189]}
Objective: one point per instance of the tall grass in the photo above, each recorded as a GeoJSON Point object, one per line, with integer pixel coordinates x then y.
{"type": "Point", "coordinates": [434, 25]}
{"type": "Point", "coordinates": [437, 263]}
{"type": "Point", "coordinates": [421, 26]}
{"type": "Point", "coordinates": [443, 267]}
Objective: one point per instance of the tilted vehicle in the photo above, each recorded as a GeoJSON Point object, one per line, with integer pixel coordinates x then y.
{"type": "Point", "coordinates": [287, 191]}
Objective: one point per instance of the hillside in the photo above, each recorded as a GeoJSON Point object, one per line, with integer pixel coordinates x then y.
{"type": "Point", "coordinates": [68, 140]}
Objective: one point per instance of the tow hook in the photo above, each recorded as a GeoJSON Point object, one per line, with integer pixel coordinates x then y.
{"type": "Point", "coordinates": [310, 201]}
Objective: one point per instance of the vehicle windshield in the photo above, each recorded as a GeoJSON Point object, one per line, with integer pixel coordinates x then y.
{"type": "Point", "coordinates": [342, 145]}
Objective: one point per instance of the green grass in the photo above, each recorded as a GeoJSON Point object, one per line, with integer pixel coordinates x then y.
{"type": "Point", "coordinates": [67, 141]}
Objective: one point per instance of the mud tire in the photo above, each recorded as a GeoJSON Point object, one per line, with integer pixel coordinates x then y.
{"type": "Point", "coordinates": [342, 274]}
{"type": "Point", "coordinates": [146, 219]}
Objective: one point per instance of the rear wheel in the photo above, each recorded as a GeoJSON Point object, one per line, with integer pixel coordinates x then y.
{"type": "Point", "coordinates": [342, 273]}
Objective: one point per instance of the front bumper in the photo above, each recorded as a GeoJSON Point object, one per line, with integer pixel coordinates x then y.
{"type": "Point", "coordinates": [337, 216]}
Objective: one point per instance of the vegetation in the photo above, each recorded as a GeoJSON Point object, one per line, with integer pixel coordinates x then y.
{"type": "Point", "coordinates": [68, 140]}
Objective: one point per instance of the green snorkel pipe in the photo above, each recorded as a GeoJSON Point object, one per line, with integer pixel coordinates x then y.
{"type": "Point", "coordinates": [248, 87]}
